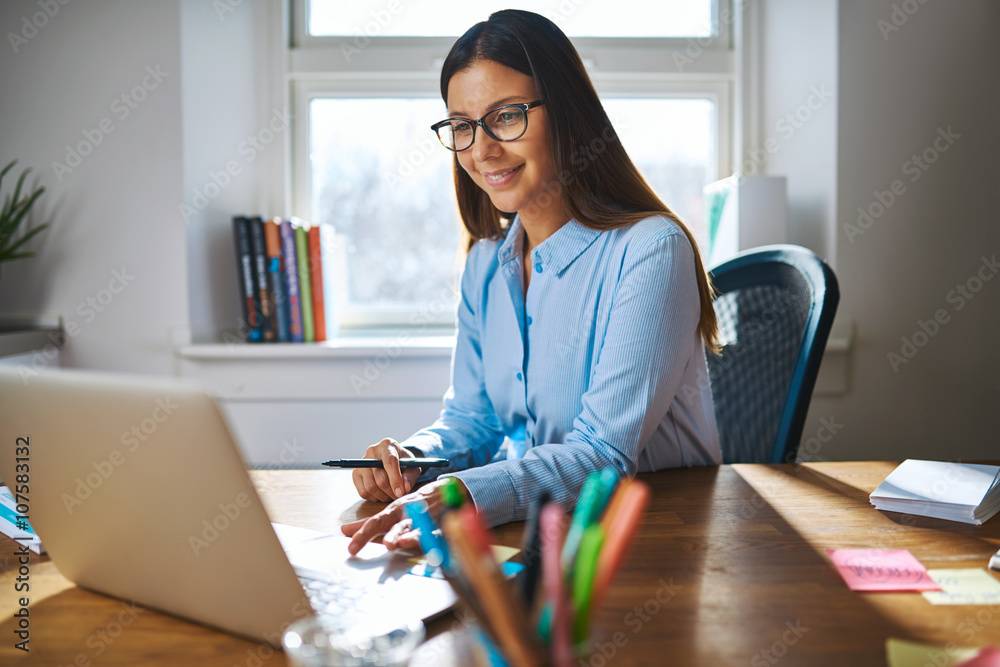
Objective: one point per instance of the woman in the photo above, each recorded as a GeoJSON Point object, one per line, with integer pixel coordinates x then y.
{"type": "Point", "coordinates": [585, 310]}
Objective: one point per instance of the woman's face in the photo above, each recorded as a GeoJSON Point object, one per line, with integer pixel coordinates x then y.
{"type": "Point", "coordinates": [515, 174]}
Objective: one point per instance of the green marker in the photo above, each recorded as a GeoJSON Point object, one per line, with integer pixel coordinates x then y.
{"type": "Point", "coordinates": [584, 572]}
{"type": "Point", "coordinates": [451, 493]}
{"type": "Point", "coordinates": [594, 497]}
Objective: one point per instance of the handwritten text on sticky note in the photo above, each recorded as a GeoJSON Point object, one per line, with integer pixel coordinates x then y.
{"type": "Point", "coordinates": [881, 570]}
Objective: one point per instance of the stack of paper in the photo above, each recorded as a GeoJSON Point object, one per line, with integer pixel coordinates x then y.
{"type": "Point", "coordinates": [964, 492]}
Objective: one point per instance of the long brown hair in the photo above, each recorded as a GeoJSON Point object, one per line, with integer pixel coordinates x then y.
{"type": "Point", "coordinates": [598, 183]}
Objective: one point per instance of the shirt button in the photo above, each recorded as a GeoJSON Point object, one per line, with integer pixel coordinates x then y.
{"type": "Point", "coordinates": [538, 268]}
{"type": "Point", "coordinates": [519, 376]}
{"type": "Point", "coordinates": [529, 319]}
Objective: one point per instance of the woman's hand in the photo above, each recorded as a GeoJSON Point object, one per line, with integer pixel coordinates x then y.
{"type": "Point", "coordinates": [385, 484]}
{"type": "Point", "coordinates": [393, 522]}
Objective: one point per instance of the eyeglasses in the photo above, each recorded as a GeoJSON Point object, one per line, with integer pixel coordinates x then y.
{"type": "Point", "coordinates": [505, 123]}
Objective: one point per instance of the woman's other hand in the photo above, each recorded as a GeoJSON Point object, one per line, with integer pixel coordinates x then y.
{"type": "Point", "coordinates": [393, 522]}
{"type": "Point", "coordinates": [385, 484]}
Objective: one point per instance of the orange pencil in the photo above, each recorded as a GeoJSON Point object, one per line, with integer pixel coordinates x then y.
{"type": "Point", "coordinates": [465, 534]}
{"type": "Point", "coordinates": [622, 529]}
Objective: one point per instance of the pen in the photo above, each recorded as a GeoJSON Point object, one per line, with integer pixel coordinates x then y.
{"type": "Point", "coordinates": [531, 550]}
{"type": "Point", "coordinates": [377, 463]}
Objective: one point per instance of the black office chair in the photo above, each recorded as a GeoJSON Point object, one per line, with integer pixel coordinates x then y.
{"type": "Point", "coordinates": [775, 309]}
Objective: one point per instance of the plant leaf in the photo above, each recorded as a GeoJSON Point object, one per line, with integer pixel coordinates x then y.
{"type": "Point", "coordinates": [24, 239]}
{"type": "Point", "coordinates": [17, 187]}
{"type": "Point", "coordinates": [5, 170]}
{"type": "Point", "coordinates": [18, 213]}
{"type": "Point", "coordinates": [20, 255]}
{"type": "Point", "coordinates": [6, 210]}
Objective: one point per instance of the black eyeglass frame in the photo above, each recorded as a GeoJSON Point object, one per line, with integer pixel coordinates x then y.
{"type": "Point", "coordinates": [523, 106]}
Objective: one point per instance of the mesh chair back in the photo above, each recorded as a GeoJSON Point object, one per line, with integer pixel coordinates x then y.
{"type": "Point", "coordinates": [775, 309]}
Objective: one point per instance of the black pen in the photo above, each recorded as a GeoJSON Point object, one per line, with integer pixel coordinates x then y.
{"type": "Point", "coordinates": [377, 463]}
{"type": "Point", "coordinates": [531, 550]}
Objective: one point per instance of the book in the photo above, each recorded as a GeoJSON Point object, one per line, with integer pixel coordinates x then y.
{"type": "Point", "coordinates": [276, 277]}
{"type": "Point", "coordinates": [305, 286]}
{"type": "Point", "coordinates": [290, 254]}
{"type": "Point", "coordinates": [321, 273]}
{"type": "Point", "coordinates": [244, 263]}
{"type": "Point", "coordinates": [965, 492]}
{"type": "Point", "coordinates": [261, 294]}
{"type": "Point", "coordinates": [16, 527]}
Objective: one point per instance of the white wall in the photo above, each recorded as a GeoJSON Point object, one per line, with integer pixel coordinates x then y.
{"type": "Point", "coordinates": [895, 92]}
{"type": "Point", "coordinates": [798, 113]}
{"type": "Point", "coordinates": [116, 210]}
{"type": "Point", "coordinates": [235, 132]}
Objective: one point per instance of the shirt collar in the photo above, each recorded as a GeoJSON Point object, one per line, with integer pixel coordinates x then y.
{"type": "Point", "coordinates": [554, 253]}
{"type": "Point", "coordinates": [513, 243]}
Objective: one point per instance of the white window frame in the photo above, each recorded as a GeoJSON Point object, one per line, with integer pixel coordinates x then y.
{"type": "Point", "coordinates": [678, 68]}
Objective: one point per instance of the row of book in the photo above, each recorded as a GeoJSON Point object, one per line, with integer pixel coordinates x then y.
{"type": "Point", "coordinates": [286, 278]}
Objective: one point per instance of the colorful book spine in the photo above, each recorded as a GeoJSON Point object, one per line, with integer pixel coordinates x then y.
{"type": "Point", "coordinates": [244, 262]}
{"type": "Point", "coordinates": [305, 288]}
{"type": "Point", "coordinates": [318, 258]}
{"type": "Point", "coordinates": [276, 277]}
{"type": "Point", "coordinates": [290, 253]}
{"type": "Point", "coordinates": [259, 250]}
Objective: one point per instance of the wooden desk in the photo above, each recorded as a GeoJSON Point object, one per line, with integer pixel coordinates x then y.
{"type": "Point", "coordinates": [729, 569]}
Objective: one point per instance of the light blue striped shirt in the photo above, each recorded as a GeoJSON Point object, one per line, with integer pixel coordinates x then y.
{"type": "Point", "coordinates": [599, 364]}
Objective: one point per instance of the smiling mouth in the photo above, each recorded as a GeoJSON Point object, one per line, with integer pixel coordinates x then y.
{"type": "Point", "coordinates": [500, 176]}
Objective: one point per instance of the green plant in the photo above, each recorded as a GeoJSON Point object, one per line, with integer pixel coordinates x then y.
{"type": "Point", "coordinates": [15, 210]}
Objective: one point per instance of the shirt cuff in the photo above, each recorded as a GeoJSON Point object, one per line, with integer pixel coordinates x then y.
{"type": "Point", "coordinates": [493, 493]}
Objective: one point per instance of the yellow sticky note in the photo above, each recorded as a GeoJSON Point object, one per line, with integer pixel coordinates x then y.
{"type": "Point", "coordinates": [963, 586]}
{"type": "Point", "coordinates": [901, 653]}
{"type": "Point", "coordinates": [501, 554]}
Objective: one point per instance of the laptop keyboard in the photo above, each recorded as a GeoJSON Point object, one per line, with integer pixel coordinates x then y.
{"type": "Point", "coordinates": [331, 596]}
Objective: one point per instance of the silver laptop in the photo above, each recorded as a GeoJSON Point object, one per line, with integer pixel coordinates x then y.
{"type": "Point", "coordinates": [138, 491]}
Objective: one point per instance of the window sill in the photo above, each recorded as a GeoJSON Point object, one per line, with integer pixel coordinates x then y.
{"type": "Point", "coordinates": [350, 344]}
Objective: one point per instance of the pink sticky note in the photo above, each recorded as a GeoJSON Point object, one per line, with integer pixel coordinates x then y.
{"type": "Point", "coordinates": [881, 570]}
{"type": "Point", "coordinates": [988, 657]}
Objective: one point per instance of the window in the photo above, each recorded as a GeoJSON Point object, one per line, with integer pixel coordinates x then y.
{"type": "Point", "coordinates": [364, 84]}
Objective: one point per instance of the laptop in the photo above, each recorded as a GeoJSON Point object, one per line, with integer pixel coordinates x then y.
{"type": "Point", "coordinates": [138, 491]}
